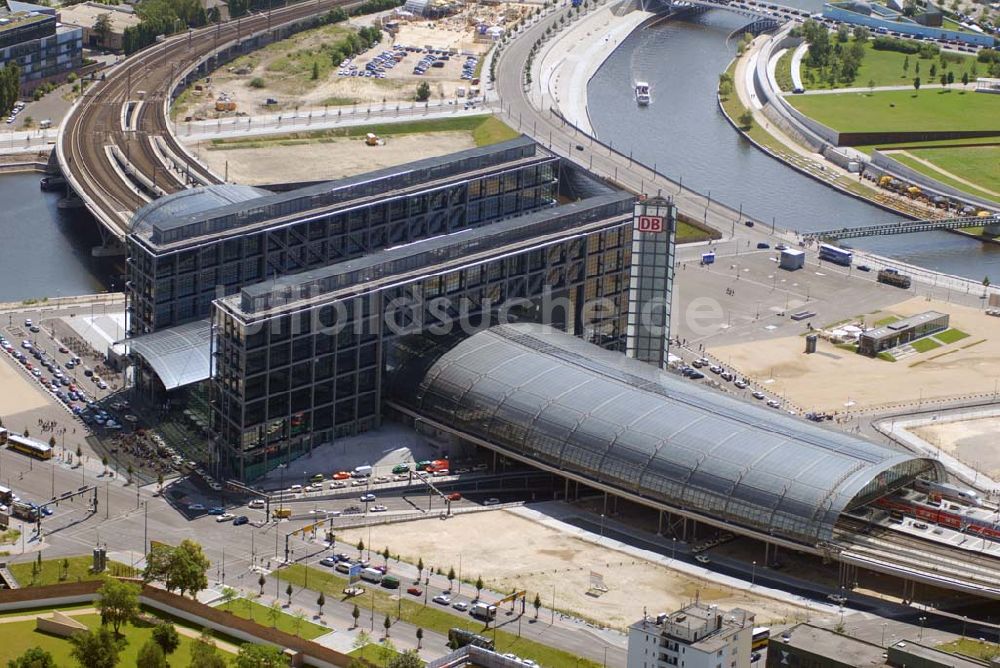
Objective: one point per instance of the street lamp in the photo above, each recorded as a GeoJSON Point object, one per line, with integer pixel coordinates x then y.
{"type": "Point", "coordinates": [921, 634]}
{"type": "Point", "coordinates": [753, 575]}
{"type": "Point", "coordinates": [884, 624]}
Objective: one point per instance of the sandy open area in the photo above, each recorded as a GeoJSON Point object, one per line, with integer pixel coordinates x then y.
{"type": "Point", "coordinates": [19, 394]}
{"type": "Point", "coordinates": [834, 379]}
{"type": "Point", "coordinates": [971, 441]}
{"type": "Point", "coordinates": [331, 159]}
{"type": "Point", "coordinates": [510, 551]}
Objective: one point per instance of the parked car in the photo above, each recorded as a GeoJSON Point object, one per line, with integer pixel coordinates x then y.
{"type": "Point", "coordinates": [443, 599]}
{"type": "Point", "coordinates": [460, 605]}
{"type": "Point", "coordinates": [416, 591]}
{"type": "Point", "coordinates": [216, 510]}
{"type": "Point", "coordinates": [224, 517]}
{"type": "Point", "coordinates": [242, 519]}
{"type": "Point", "coordinates": [492, 501]}
{"type": "Point", "coordinates": [455, 496]}
{"type": "Point", "coordinates": [196, 507]}
{"type": "Point", "coordinates": [329, 562]}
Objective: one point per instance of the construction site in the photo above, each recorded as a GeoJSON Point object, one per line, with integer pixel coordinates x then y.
{"type": "Point", "coordinates": [323, 68]}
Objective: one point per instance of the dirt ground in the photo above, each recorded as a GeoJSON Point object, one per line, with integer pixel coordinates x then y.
{"type": "Point", "coordinates": [332, 159]}
{"type": "Point", "coordinates": [19, 394]}
{"type": "Point", "coordinates": [835, 380]}
{"type": "Point", "coordinates": [285, 67]}
{"type": "Point", "coordinates": [970, 441]}
{"type": "Point", "coordinates": [510, 551]}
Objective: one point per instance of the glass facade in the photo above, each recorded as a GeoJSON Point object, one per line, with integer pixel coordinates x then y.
{"type": "Point", "coordinates": [299, 371]}
{"type": "Point", "coordinates": [170, 286]}
{"type": "Point", "coordinates": [577, 408]}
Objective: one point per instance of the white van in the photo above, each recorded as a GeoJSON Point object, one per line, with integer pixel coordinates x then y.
{"type": "Point", "coordinates": [44, 125]}
{"type": "Point", "coordinates": [371, 575]}
{"type": "Point", "coordinates": [362, 471]}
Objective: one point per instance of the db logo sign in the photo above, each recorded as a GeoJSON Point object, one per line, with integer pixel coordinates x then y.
{"type": "Point", "coordinates": [650, 224]}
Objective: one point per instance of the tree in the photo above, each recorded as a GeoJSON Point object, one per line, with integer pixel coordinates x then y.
{"type": "Point", "coordinates": [420, 637]}
{"type": "Point", "coordinates": [315, 72]}
{"type": "Point", "coordinates": [297, 620]}
{"type": "Point", "coordinates": [916, 67]}
{"type": "Point", "coordinates": [387, 623]}
{"type": "Point", "coordinates": [79, 450]}
{"type": "Point", "coordinates": [204, 653]}
{"type": "Point", "coordinates": [35, 657]}
{"type": "Point", "coordinates": [906, 65]}
{"type": "Point", "coordinates": [363, 638]}
{"type": "Point", "coordinates": [151, 655]}
{"type": "Point", "coordinates": [288, 591]}
{"type": "Point", "coordinates": [65, 569]}
{"type": "Point", "coordinates": [420, 568]}
{"type": "Point", "coordinates": [746, 120]}
{"type": "Point", "coordinates": [361, 547]}
{"type": "Point", "coordinates": [119, 602]}
{"type": "Point", "coordinates": [871, 85]}
{"type": "Point", "coordinates": [182, 567]}
{"type": "Point", "coordinates": [385, 555]}
{"type": "Point", "coordinates": [274, 612]}
{"type": "Point", "coordinates": [537, 604]}
{"type": "Point", "coordinates": [933, 71]}
{"type": "Point", "coordinates": [228, 596]}
{"type": "Point", "coordinates": [423, 92]}
{"type": "Point", "coordinates": [916, 83]}
{"type": "Point", "coordinates": [986, 281]}
{"type": "Point", "coordinates": [260, 656]}
{"type": "Point", "coordinates": [408, 659]}
{"type": "Point", "coordinates": [262, 581]}
{"type": "Point", "coordinates": [52, 441]}
{"type": "Point", "coordinates": [965, 78]}
{"type": "Point", "coordinates": [951, 77]}
{"type": "Point", "coordinates": [159, 481]}
{"type": "Point", "coordinates": [944, 79]}
{"type": "Point", "coordinates": [165, 635]}
{"type": "Point", "coordinates": [356, 612]}
{"type": "Point", "coordinates": [95, 649]}
{"type": "Point", "coordinates": [451, 576]}
{"type": "Point", "coordinates": [320, 602]}
{"type": "Point", "coordinates": [102, 29]}
{"type": "Point", "coordinates": [479, 586]}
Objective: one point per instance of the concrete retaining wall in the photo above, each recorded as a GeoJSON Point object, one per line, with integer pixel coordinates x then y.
{"type": "Point", "coordinates": [869, 138]}
{"type": "Point", "coordinates": [929, 184]}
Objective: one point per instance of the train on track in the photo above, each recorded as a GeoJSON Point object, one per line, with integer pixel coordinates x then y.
{"type": "Point", "coordinates": [940, 513]}
{"type": "Point", "coordinates": [947, 491]}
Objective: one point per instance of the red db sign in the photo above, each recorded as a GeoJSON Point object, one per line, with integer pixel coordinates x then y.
{"type": "Point", "coordinates": [650, 224]}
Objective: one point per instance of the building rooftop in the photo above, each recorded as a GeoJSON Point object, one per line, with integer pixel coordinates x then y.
{"type": "Point", "coordinates": [848, 651]}
{"type": "Point", "coordinates": [699, 625]}
{"type": "Point", "coordinates": [85, 15]}
{"type": "Point", "coordinates": [292, 290]}
{"type": "Point", "coordinates": [185, 227]}
{"type": "Point", "coordinates": [563, 403]}
{"type": "Point", "coordinates": [910, 653]}
{"type": "Point", "coordinates": [894, 328]}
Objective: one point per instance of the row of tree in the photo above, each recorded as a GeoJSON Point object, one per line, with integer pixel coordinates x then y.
{"type": "Point", "coordinates": [162, 17]}
{"type": "Point", "coordinates": [10, 86]}
{"type": "Point", "coordinates": [837, 61]}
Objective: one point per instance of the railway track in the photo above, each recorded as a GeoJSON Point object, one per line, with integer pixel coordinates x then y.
{"type": "Point", "coordinates": [114, 182]}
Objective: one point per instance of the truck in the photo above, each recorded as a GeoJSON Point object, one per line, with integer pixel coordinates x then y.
{"type": "Point", "coordinates": [708, 258]}
{"type": "Point", "coordinates": [460, 638]}
{"type": "Point", "coordinates": [483, 611]}
{"type": "Point", "coordinates": [24, 511]}
{"type": "Point", "coordinates": [894, 278]}
{"type": "Point", "coordinates": [282, 513]}
{"type": "Point", "coordinates": [371, 575]}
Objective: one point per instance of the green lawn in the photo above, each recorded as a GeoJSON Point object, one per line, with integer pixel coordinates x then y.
{"type": "Point", "coordinates": [979, 164]}
{"type": "Point", "coordinates": [923, 345]}
{"type": "Point", "coordinates": [375, 654]}
{"type": "Point", "coordinates": [20, 636]}
{"type": "Point", "coordinates": [485, 130]}
{"type": "Point", "coordinates": [783, 71]}
{"type": "Point", "coordinates": [973, 648]}
{"type": "Point", "coordinates": [286, 622]}
{"type": "Point", "coordinates": [885, 68]}
{"type": "Point", "coordinates": [950, 335]}
{"type": "Point", "coordinates": [910, 162]}
{"type": "Point", "coordinates": [903, 110]}
{"type": "Point", "coordinates": [430, 617]}
{"type": "Point", "coordinates": [52, 571]}
{"type": "Point", "coordinates": [888, 320]}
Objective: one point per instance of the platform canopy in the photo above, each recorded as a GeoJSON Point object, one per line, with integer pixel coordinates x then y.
{"type": "Point", "coordinates": [179, 355]}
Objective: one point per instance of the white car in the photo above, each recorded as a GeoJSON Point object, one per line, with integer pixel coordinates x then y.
{"type": "Point", "coordinates": [702, 559]}
{"type": "Point", "coordinates": [359, 482]}
{"type": "Point", "coordinates": [224, 517]}
{"type": "Point", "coordinates": [443, 599]}
{"type": "Point", "coordinates": [491, 501]}
{"type": "Point", "coordinates": [295, 489]}
{"type": "Point", "coordinates": [336, 484]}
{"type": "Point", "coordinates": [256, 503]}
{"type": "Point", "coordinates": [460, 605]}
{"type": "Point", "coordinates": [379, 508]}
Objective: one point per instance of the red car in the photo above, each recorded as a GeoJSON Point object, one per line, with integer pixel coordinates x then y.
{"type": "Point", "coordinates": [341, 475]}
{"type": "Point", "coordinates": [455, 496]}
{"type": "Point", "coordinates": [416, 591]}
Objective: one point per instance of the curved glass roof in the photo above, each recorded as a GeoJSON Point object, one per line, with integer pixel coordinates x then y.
{"type": "Point", "coordinates": [191, 200]}
{"type": "Point", "coordinates": [561, 401]}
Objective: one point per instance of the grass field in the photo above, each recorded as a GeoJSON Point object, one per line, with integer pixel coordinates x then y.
{"type": "Point", "coordinates": [903, 110]}
{"type": "Point", "coordinates": [430, 617]}
{"type": "Point", "coordinates": [377, 655]}
{"type": "Point", "coordinates": [888, 320]}
{"type": "Point", "coordinates": [979, 164]}
{"type": "Point", "coordinates": [923, 345]}
{"type": "Point", "coordinates": [783, 71]}
{"type": "Point", "coordinates": [485, 130]}
{"type": "Point", "coordinates": [950, 335]}
{"type": "Point", "coordinates": [52, 571]}
{"type": "Point", "coordinates": [286, 622]}
{"type": "Point", "coordinates": [909, 161]}
{"type": "Point", "coordinates": [20, 636]}
{"type": "Point", "coordinates": [885, 68]}
{"type": "Point", "coordinates": [973, 648]}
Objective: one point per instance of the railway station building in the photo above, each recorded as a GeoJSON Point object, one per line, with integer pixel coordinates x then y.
{"type": "Point", "coordinates": [874, 341]}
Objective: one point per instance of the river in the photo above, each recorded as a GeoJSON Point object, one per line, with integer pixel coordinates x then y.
{"type": "Point", "coordinates": [685, 135]}
{"type": "Point", "coordinates": [45, 251]}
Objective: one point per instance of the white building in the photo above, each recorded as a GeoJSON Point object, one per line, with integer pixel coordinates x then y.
{"type": "Point", "coordinates": [697, 636]}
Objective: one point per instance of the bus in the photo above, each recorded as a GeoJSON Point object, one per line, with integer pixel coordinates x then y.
{"type": "Point", "coordinates": [836, 255]}
{"type": "Point", "coordinates": [6, 495]}
{"type": "Point", "coordinates": [760, 637]}
{"type": "Point", "coordinates": [460, 638]}
{"type": "Point", "coordinates": [29, 446]}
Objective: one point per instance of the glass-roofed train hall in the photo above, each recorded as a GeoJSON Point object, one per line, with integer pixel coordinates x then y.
{"type": "Point", "coordinates": [511, 308]}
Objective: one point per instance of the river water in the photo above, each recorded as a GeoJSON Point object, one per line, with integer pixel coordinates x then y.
{"type": "Point", "coordinates": [685, 135]}
{"type": "Point", "coordinates": [45, 251]}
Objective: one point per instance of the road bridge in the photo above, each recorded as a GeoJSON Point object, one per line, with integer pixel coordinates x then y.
{"type": "Point", "coordinates": [990, 225]}
{"type": "Point", "coordinates": [116, 147]}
